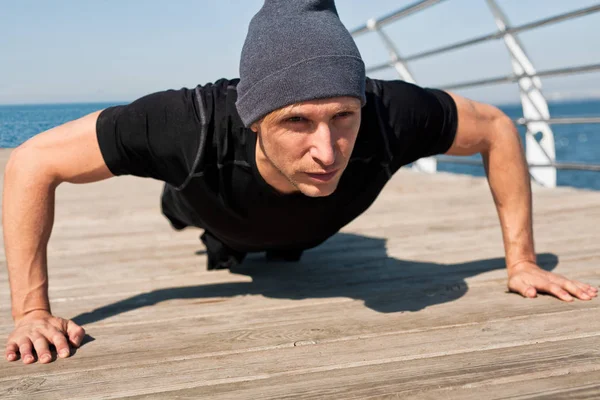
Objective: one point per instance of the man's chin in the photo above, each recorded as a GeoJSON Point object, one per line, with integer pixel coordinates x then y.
{"type": "Point", "coordinates": [317, 190]}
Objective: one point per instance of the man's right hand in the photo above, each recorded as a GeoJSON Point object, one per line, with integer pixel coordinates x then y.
{"type": "Point", "coordinates": [66, 153]}
{"type": "Point", "coordinates": [39, 329]}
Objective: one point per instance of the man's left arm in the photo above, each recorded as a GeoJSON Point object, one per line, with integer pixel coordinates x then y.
{"type": "Point", "coordinates": [486, 130]}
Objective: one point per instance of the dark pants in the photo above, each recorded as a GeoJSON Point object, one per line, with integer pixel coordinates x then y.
{"type": "Point", "coordinates": [220, 256]}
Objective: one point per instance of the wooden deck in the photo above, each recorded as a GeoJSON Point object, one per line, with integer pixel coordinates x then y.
{"type": "Point", "coordinates": [408, 301]}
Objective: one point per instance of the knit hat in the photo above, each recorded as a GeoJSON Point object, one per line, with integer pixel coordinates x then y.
{"type": "Point", "coordinates": [296, 50]}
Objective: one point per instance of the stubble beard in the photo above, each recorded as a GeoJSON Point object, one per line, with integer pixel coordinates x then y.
{"type": "Point", "coordinates": [280, 170]}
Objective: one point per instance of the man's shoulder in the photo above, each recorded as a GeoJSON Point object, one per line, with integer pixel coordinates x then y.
{"type": "Point", "coordinates": [223, 132]}
{"type": "Point", "coordinates": [385, 96]}
{"type": "Point", "coordinates": [396, 97]}
{"type": "Point", "coordinates": [220, 91]}
{"type": "Point", "coordinates": [222, 84]}
{"type": "Point", "coordinates": [388, 88]}
{"type": "Point", "coordinates": [216, 100]}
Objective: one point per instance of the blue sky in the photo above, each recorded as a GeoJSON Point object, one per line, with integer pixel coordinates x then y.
{"type": "Point", "coordinates": [119, 50]}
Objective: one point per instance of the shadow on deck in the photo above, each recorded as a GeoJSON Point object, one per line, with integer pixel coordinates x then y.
{"type": "Point", "coordinates": [418, 284]}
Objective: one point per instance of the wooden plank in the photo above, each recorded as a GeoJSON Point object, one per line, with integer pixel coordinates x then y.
{"type": "Point", "coordinates": [133, 266]}
{"type": "Point", "coordinates": [566, 382]}
{"type": "Point", "coordinates": [405, 365]}
{"type": "Point", "coordinates": [411, 288]}
{"type": "Point", "coordinates": [332, 257]}
{"type": "Point", "coordinates": [135, 249]}
{"type": "Point", "coordinates": [223, 285]}
{"type": "Point", "coordinates": [413, 379]}
{"type": "Point", "coordinates": [335, 280]}
{"type": "Point", "coordinates": [258, 330]}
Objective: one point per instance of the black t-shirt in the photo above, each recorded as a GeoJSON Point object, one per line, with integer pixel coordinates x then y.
{"type": "Point", "coordinates": [195, 142]}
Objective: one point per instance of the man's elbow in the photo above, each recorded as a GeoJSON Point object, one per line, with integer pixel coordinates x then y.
{"type": "Point", "coordinates": [503, 130]}
{"type": "Point", "coordinates": [25, 166]}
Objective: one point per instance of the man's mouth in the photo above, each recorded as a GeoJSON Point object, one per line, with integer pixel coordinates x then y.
{"type": "Point", "coordinates": [323, 177]}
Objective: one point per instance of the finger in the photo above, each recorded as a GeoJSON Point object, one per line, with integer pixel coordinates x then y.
{"type": "Point", "coordinates": [530, 292]}
{"type": "Point", "coordinates": [76, 333]}
{"type": "Point", "coordinates": [557, 291]}
{"type": "Point", "coordinates": [11, 351]}
{"type": "Point", "coordinates": [524, 289]}
{"type": "Point", "coordinates": [42, 348]}
{"type": "Point", "coordinates": [587, 288]}
{"type": "Point", "coordinates": [25, 348]}
{"type": "Point", "coordinates": [575, 290]}
{"type": "Point", "coordinates": [60, 342]}
{"type": "Point", "coordinates": [584, 286]}
{"type": "Point", "coordinates": [593, 291]}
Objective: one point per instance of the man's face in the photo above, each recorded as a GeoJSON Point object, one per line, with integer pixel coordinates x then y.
{"type": "Point", "coordinates": [306, 147]}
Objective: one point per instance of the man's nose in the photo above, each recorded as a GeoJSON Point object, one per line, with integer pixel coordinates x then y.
{"type": "Point", "coordinates": [322, 146]}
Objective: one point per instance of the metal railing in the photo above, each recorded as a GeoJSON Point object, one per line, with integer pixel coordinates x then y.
{"type": "Point", "coordinates": [515, 78]}
{"type": "Point", "coordinates": [540, 152]}
{"type": "Point", "coordinates": [557, 165]}
{"type": "Point", "coordinates": [560, 121]}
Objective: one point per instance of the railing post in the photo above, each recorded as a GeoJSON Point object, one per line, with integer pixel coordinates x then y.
{"type": "Point", "coordinates": [428, 164]}
{"type": "Point", "coordinates": [534, 105]}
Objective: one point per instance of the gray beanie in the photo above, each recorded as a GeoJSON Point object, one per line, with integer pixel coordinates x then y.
{"type": "Point", "coordinates": [296, 50]}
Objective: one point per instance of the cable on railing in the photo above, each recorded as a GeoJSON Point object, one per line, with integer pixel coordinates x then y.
{"type": "Point", "coordinates": [558, 165]}
{"type": "Point", "coordinates": [515, 78]}
{"type": "Point", "coordinates": [560, 121]}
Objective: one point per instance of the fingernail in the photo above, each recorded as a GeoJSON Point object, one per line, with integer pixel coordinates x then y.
{"type": "Point", "coordinates": [28, 358]}
{"type": "Point", "coordinates": [46, 357]}
{"type": "Point", "coordinates": [64, 353]}
{"type": "Point", "coordinates": [11, 357]}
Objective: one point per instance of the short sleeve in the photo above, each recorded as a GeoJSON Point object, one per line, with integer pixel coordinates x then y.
{"type": "Point", "coordinates": [156, 136]}
{"type": "Point", "coordinates": [422, 121]}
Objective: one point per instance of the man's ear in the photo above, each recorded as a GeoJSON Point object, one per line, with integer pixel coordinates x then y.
{"type": "Point", "coordinates": [255, 126]}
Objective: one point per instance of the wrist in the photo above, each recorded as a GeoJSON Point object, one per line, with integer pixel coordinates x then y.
{"type": "Point", "coordinates": [520, 250]}
{"type": "Point", "coordinates": [31, 314]}
{"type": "Point", "coordinates": [527, 262]}
{"type": "Point", "coordinates": [26, 301]}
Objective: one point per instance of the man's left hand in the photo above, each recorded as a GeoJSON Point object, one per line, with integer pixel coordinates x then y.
{"type": "Point", "coordinates": [528, 279]}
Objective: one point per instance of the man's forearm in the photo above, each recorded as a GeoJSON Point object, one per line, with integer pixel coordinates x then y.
{"type": "Point", "coordinates": [27, 218]}
{"type": "Point", "coordinates": [509, 181]}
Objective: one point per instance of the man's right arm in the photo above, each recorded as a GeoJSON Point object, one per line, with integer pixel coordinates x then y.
{"type": "Point", "coordinates": [67, 153]}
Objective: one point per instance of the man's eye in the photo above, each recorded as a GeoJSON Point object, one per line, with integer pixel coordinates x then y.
{"type": "Point", "coordinates": [295, 119]}
{"type": "Point", "coordinates": [344, 114]}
